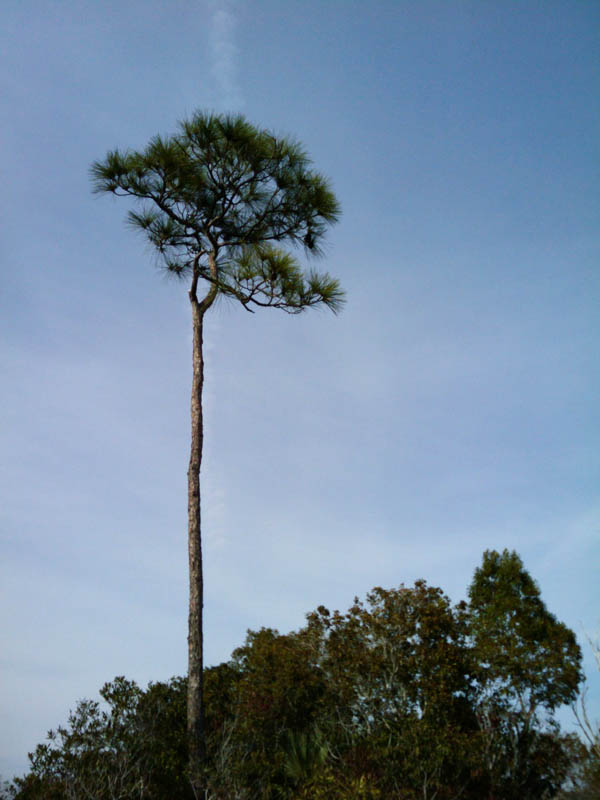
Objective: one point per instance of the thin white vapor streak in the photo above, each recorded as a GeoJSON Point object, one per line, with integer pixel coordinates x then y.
{"type": "Point", "coordinates": [224, 54]}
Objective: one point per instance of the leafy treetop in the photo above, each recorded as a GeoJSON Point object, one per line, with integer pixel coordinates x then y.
{"type": "Point", "coordinates": [525, 653]}
{"type": "Point", "coordinates": [218, 199]}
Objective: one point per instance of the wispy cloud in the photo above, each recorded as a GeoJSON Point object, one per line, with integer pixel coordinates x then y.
{"type": "Point", "coordinates": [224, 54]}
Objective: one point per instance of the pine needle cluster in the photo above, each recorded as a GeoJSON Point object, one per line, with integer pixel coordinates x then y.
{"type": "Point", "coordinates": [223, 201]}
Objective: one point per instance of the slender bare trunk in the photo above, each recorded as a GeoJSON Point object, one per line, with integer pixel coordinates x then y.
{"type": "Point", "coordinates": [195, 700]}
{"type": "Point", "coordinates": [195, 705]}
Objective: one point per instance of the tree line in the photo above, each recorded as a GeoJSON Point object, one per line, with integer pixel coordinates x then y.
{"type": "Point", "coordinates": [404, 696]}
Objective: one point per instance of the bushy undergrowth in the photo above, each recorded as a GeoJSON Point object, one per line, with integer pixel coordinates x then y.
{"type": "Point", "coordinates": [404, 696]}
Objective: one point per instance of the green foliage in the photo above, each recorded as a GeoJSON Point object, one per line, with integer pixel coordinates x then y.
{"type": "Point", "coordinates": [305, 754]}
{"type": "Point", "coordinates": [132, 745]}
{"type": "Point", "coordinates": [401, 666]}
{"type": "Point", "coordinates": [585, 779]}
{"type": "Point", "coordinates": [219, 198]}
{"type": "Point", "coordinates": [275, 693]}
{"type": "Point", "coordinates": [329, 785]}
{"type": "Point", "coordinates": [528, 665]}
{"type": "Point", "coordinates": [400, 654]}
{"type": "Point", "coordinates": [403, 696]}
{"type": "Point", "coordinates": [523, 651]}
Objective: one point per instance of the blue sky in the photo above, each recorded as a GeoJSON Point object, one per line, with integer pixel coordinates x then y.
{"type": "Point", "coordinates": [452, 406]}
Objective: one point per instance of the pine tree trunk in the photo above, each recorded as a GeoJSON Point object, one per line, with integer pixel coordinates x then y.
{"type": "Point", "coordinates": [195, 705]}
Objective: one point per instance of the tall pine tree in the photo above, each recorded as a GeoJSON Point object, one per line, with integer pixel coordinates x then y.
{"type": "Point", "coordinates": [223, 202]}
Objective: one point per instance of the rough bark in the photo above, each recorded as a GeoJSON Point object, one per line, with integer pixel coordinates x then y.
{"type": "Point", "coordinates": [195, 704]}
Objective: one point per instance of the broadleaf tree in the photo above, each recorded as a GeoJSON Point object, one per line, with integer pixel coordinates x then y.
{"type": "Point", "coordinates": [225, 204]}
{"type": "Point", "coordinates": [529, 664]}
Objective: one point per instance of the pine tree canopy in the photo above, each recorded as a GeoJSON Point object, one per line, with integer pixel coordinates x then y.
{"type": "Point", "coordinates": [224, 201]}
